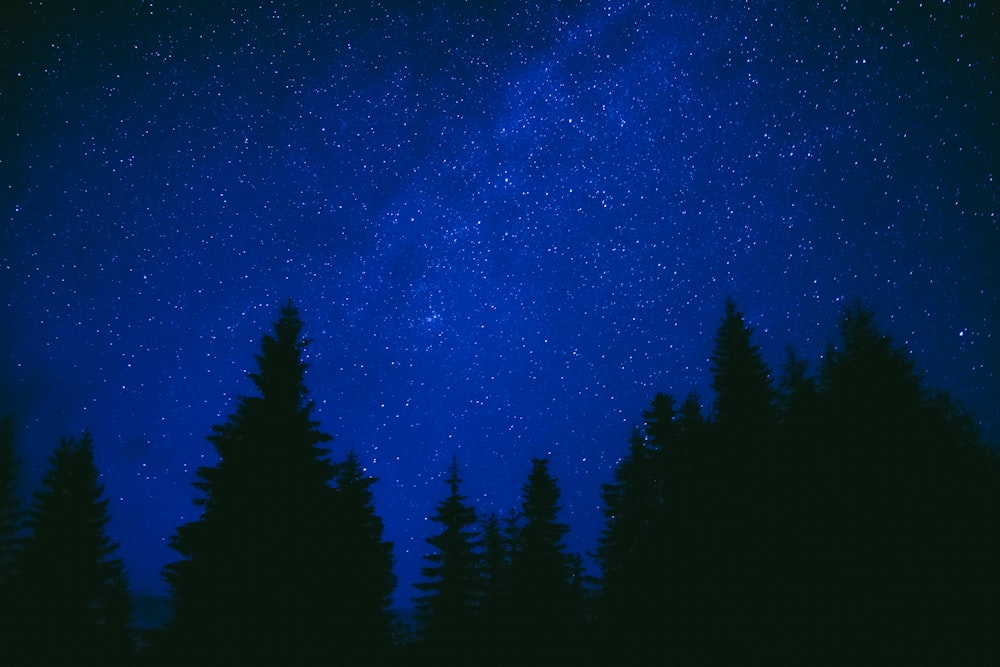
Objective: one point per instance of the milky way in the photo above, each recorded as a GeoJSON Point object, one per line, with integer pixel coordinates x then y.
{"type": "Point", "coordinates": [506, 226]}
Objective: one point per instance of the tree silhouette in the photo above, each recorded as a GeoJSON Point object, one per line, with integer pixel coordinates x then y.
{"type": "Point", "coordinates": [11, 516]}
{"type": "Point", "coordinates": [652, 552]}
{"type": "Point", "coordinates": [10, 506]}
{"type": "Point", "coordinates": [72, 595]}
{"type": "Point", "coordinates": [495, 562]}
{"type": "Point", "coordinates": [495, 611]}
{"type": "Point", "coordinates": [630, 549]}
{"type": "Point", "coordinates": [257, 580]}
{"type": "Point", "coordinates": [744, 398]}
{"type": "Point", "coordinates": [907, 501]}
{"type": "Point", "coordinates": [452, 586]}
{"type": "Point", "coordinates": [362, 566]}
{"type": "Point", "coordinates": [545, 613]}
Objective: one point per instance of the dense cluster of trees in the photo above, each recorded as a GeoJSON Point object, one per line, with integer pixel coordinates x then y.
{"type": "Point", "coordinates": [64, 598]}
{"type": "Point", "coordinates": [843, 515]}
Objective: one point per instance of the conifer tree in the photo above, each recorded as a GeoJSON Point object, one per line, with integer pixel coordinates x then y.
{"type": "Point", "coordinates": [629, 507]}
{"type": "Point", "coordinates": [362, 566]}
{"type": "Point", "coordinates": [494, 569]}
{"type": "Point", "coordinates": [10, 507]}
{"type": "Point", "coordinates": [256, 580]}
{"type": "Point", "coordinates": [868, 379]}
{"type": "Point", "coordinates": [72, 596]}
{"type": "Point", "coordinates": [908, 505]}
{"type": "Point", "coordinates": [659, 423]}
{"type": "Point", "coordinates": [690, 420]}
{"type": "Point", "coordinates": [11, 516]}
{"type": "Point", "coordinates": [744, 398]}
{"type": "Point", "coordinates": [797, 391]}
{"type": "Point", "coordinates": [644, 508]}
{"type": "Point", "coordinates": [735, 506]}
{"type": "Point", "coordinates": [450, 605]}
{"type": "Point", "coordinates": [544, 611]}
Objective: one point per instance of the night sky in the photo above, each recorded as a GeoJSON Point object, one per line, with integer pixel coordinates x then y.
{"type": "Point", "coordinates": [506, 225]}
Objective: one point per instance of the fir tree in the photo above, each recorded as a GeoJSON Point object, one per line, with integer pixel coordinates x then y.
{"type": "Point", "coordinates": [11, 516]}
{"type": "Point", "coordinates": [744, 398]}
{"type": "Point", "coordinates": [797, 390]}
{"type": "Point", "coordinates": [690, 420]}
{"type": "Point", "coordinates": [494, 569]}
{"type": "Point", "coordinates": [659, 423]}
{"type": "Point", "coordinates": [72, 596]}
{"type": "Point", "coordinates": [544, 611]}
{"type": "Point", "coordinates": [907, 506]}
{"type": "Point", "coordinates": [625, 550]}
{"type": "Point", "coordinates": [363, 568]}
{"type": "Point", "coordinates": [734, 528]}
{"type": "Point", "coordinates": [629, 507]}
{"type": "Point", "coordinates": [450, 605]}
{"type": "Point", "coordinates": [256, 580]}
{"type": "Point", "coordinates": [10, 507]}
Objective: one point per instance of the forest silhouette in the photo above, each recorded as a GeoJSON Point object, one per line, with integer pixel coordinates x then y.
{"type": "Point", "coordinates": [842, 514]}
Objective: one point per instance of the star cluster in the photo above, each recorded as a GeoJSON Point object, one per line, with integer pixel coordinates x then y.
{"type": "Point", "coordinates": [507, 225]}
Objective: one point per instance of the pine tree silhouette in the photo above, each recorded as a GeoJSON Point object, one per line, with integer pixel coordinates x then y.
{"type": "Point", "coordinates": [257, 580]}
{"type": "Point", "coordinates": [10, 508]}
{"type": "Point", "coordinates": [906, 491]}
{"type": "Point", "coordinates": [630, 549]}
{"type": "Point", "coordinates": [545, 613]}
{"type": "Point", "coordinates": [495, 565]}
{"type": "Point", "coordinates": [72, 595]}
{"type": "Point", "coordinates": [11, 516]}
{"type": "Point", "coordinates": [495, 613]}
{"type": "Point", "coordinates": [744, 399]}
{"type": "Point", "coordinates": [450, 607]}
{"type": "Point", "coordinates": [363, 568]}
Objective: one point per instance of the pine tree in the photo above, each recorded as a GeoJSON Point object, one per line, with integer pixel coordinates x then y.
{"type": "Point", "coordinates": [690, 420]}
{"type": "Point", "coordinates": [797, 390]}
{"type": "Point", "coordinates": [544, 610]}
{"type": "Point", "coordinates": [659, 423]}
{"type": "Point", "coordinates": [626, 551]}
{"type": "Point", "coordinates": [257, 578]}
{"type": "Point", "coordinates": [10, 507]}
{"type": "Point", "coordinates": [450, 605]}
{"type": "Point", "coordinates": [72, 593]}
{"type": "Point", "coordinates": [735, 508]}
{"type": "Point", "coordinates": [11, 516]}
{"type": "Point", "coordinates": [744, 399]}
{"type": "Point", "coordinates": [871, 381]}
{"type": "Point", "coordinates": [363, 568]}
{"type": "Point", "coordinates": [907, 507]}
{"type": "Point", "coordinates": [628, 509]}
{"type": "Point", "coordinates": [495, 569]}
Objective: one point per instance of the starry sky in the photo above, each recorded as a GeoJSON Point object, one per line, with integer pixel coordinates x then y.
{"type": "Point", "coordinates": [506, 224]}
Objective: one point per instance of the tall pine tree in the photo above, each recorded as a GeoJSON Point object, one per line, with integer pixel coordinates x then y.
{"type": "Point", "coordinates": [545, 611]}
{"type": "Point", "coordinates": [72, 595]}
{"type": "Point", "coordinates": [10, 506]}
{"type": "Point", "coordinates": [907, 534]}
{"type": "Point", "coordinates": [494, 569]}
{"type": "Point", "coordinates": [257, 580]}
{"type": "Point", "coordinates": [450, 606]}
{"type": "Point", "coordinates": [737, 503]}
{"type": "Point", "coordinates": [744, 399]}
{"type": "Point", "coordinates": [11, 516]}
{"type": "Point", "coordinates": [627, 549]}
{"type": "Point", "coordinates": [362, 567]}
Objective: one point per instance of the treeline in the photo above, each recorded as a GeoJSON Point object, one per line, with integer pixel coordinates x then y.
{"type": "Point", "coordinates": [837, 515]}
